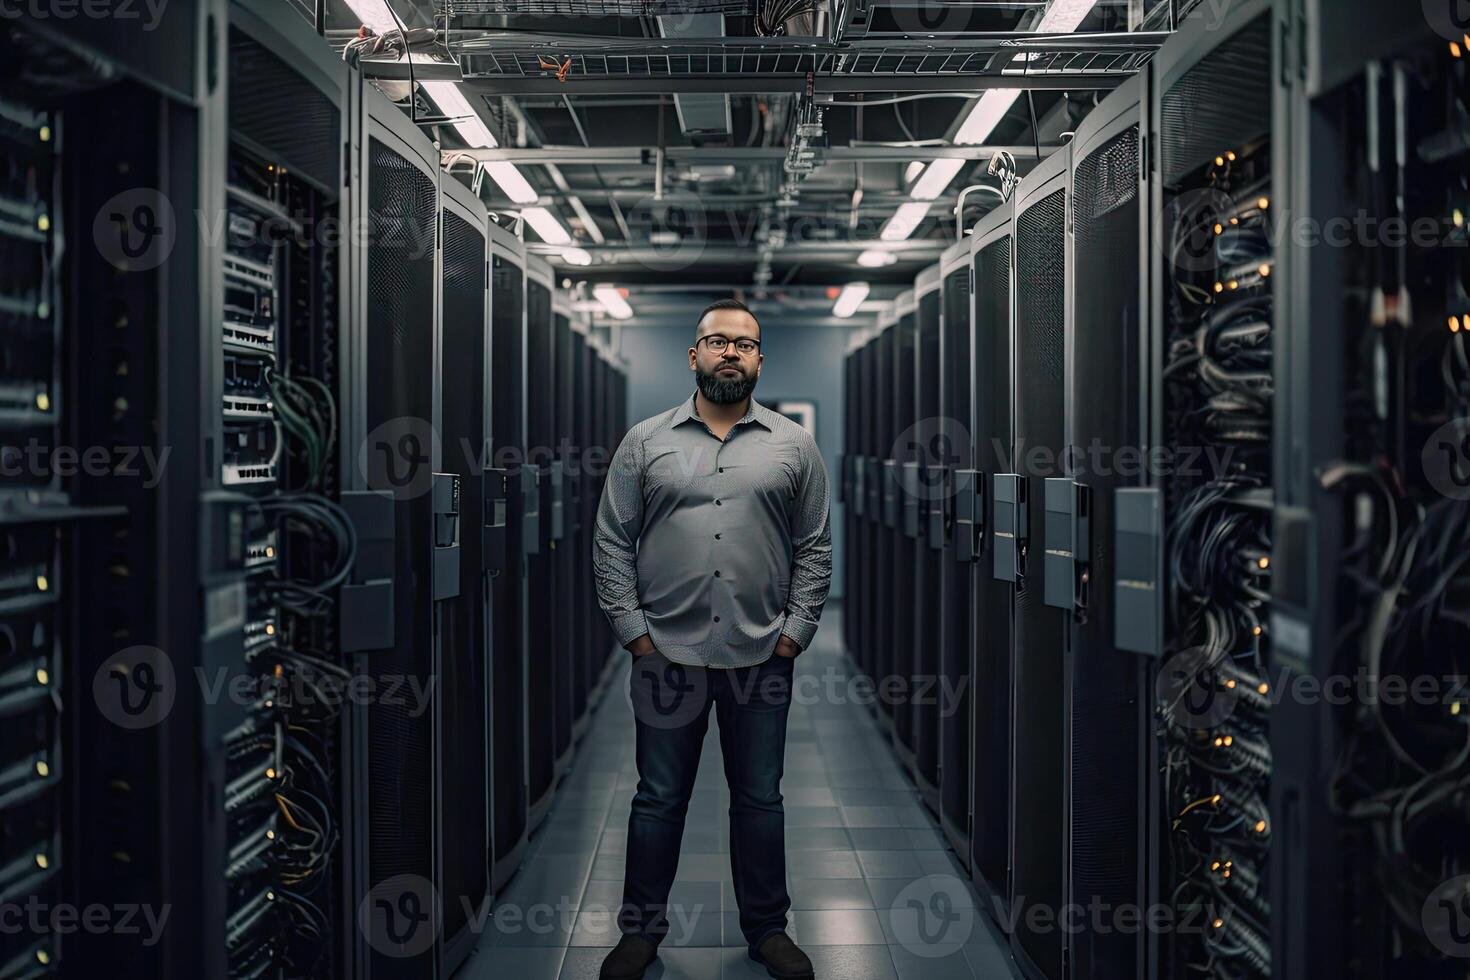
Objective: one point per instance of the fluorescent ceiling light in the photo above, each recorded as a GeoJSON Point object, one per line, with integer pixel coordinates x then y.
{"type": "Point", "coordinates": [374, 14]}
{"type": "Point", "coordinates": [875, 258]}
{"type": "Point", "coordinates": [850, 299]}
{"type": "Point", "coordinates": [612, 301]}
{"type": "Point", "coordinates": [545, 224]}
{"type": "Point", "coordinates": [516, 187]}
{"type": "Point", "coordinates": [451, 102]}
{"type": "Point", "coordinates": [907, 218]}
{"type": "Point", "coordinates": [936, 178]}
{"type": "Point", "coordinates": [1062, 17]}
{"type": "Point", "coordinates": [912, 171]}
{"type": "Point", "coordinates": [576, 256]}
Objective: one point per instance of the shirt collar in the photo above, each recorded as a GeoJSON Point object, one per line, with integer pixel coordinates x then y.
{"type": "Point", "coordinates": [756, 413]}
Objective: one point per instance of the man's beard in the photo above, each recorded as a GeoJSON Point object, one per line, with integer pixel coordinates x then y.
{"type": "Point", "coordinates": [725, 391]}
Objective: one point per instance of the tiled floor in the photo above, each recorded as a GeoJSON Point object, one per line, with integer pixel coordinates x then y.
{"type": "Point", "coordinates": [875, 891]}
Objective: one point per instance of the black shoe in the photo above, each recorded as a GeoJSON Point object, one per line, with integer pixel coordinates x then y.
{"type": "Point", "coordinates": [629, 959]}
{"type": "Point", "coordinates": [782, 958]}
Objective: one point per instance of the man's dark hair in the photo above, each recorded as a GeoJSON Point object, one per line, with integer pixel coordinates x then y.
{"type": "Point", "coordinates": [724, 304]}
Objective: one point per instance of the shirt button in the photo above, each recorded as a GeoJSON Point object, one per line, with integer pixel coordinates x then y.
{"type": "Point", "coordinates": [717, 537]}
{"type": "Point", "coordinates": [719, 504]}
{"type": "Point", "coordinates": [722, 469]}
{"type": "Point", "coordinates": [717, 573]}
{"type": "Point", "coordinates": [717, 619]}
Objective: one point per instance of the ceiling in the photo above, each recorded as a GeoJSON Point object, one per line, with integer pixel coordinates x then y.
{"type": "Point", "coordinates": [762, 147]}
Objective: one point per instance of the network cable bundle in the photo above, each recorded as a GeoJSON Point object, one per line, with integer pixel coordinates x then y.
{"type": "Point", "coordinates": [1213, 711]}
{"type": "Point", "coordinates": [279, 429]}
{"type": "Point", "coordinates": [1400, 783]}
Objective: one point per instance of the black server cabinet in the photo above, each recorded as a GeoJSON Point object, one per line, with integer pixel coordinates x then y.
{"type": "Point", "coordinates": [900, 367]}
{"type": "Point", "coordinates": [1212, 205]}
{"type": "Point", "coordinates": [1109, 697]}
{"type": "Point", "coordinates": [467, 773]}
{"type": "Point", "coordinates": [505, 565]}
{"type": "Point", "coordinates": [1371, 502]}
{"type": "Point", "coordinates": [952, 462]}
{"type": "Point", "coordinates": [564, 557]}
{"type": "Point", "coordinates": [540, 605]}
{"type": "Point", "coordinates": [1037, 853]}
{"type": "Point", "coordinates": [102, 349]}
{"type": "Point", "coordinates": [584, 603]}
{"type": "Point", "coordinates": [992, 342]}
{"type": "Point", "coordinates": [884, 553]}
{"type": "Point", "coordinates": [850, 518]}
{"type": "Point", "coordinates": [401, 457]}
{"type": "Point", "coordinates": [868, 642]}
{"type": "Point", "coordinates": [922, 450]}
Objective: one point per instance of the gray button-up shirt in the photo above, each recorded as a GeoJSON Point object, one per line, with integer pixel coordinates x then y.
{"type": "Point", "coordinates": [714, 549]}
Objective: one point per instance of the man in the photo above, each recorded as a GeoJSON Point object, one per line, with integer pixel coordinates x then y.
{"type": "Point", "coordinates": [713, 555]}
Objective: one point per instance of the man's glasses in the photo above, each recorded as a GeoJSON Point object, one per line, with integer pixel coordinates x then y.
{"type": "Point", "coordinates": [718, 345]}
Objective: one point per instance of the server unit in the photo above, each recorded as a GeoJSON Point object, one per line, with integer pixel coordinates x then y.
{"type": "Point", "coordinates": [505, 534]}
{"type": "Point", "coordinates": [1109, 696]}
{"type": "Point", "coordinates": [869, 490]}
{"type": "Point", "coordinates": [95, 586]}
{"type": "Point", "coordinates": [884, 501]}
{"type": "Point", "coordinates": [992, 342]}
{"type": "Point", "coordinates": [565, 558]}
{"type": "Point", "coordinates": [402, 458]}
{"type": "Point", "coordinates": [463, 625]}
{"type": "Point", "coordinates": [1212, 339]}
{"type": "Point", "coordinates": [898, 365]}
{"type": "Point", "coordinates": [950, 536]}
{"type": "Point", "coordinates": [1371, 514]}
{"type": "Point", "coordinates": [1020, 512]}
{"type": "Point", "coordinates": [923, 450]}
{"type": "Point", "coordinates": [541, 624]}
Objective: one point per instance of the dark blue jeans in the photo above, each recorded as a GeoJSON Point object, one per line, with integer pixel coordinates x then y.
{"type": "Point", "coordinates": [671, 706]}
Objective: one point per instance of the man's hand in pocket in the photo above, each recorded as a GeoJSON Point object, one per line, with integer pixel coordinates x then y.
{"type": "Point", "coordinates": [642, 646]}
{"type": "Point", "coordinates": [787, 647]}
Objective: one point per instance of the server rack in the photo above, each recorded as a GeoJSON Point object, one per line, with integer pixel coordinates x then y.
{"type": "Point", "coordinates": [469, 765]}
{"type": "Point", "coordinates": [539, 606]}
{"type": "Point", "coordinates": [70, 824]}
{"type": "Point", "coordinates": [583, 596]}
{"type": "Point", "coordinates": [505, 564]}
{"type": "Point", "coordinates": [952, 462]}
{"type": "Point", "coordinates": [1109, 696]}
{"type": "Point", "coordinates": [992, 341]}
{"type": "Point", "coordinates": [898, 365]}
{"type": "Point", "coordinates": [917, 714]}
{"type": "Point", "coordinates": [1211, 160]}
{"type": "Point", "coordinates": [397, 357]}
{"type": "Point", "coordinates": [869, 642]}
{"type": "Point", "coordinates": [850, 509]}
{"type": "Point", "coordinates": [1371, 381]}
{"type": "Point", "coordinates": [566, 559]}
{"type": "Point", "coordinates": [1038, 860]}
{"type": "Point", "coordinates": [882, 498]}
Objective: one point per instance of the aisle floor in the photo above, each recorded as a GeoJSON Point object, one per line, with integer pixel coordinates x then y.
{"type": "Point", "coordinates": [862, 854]}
